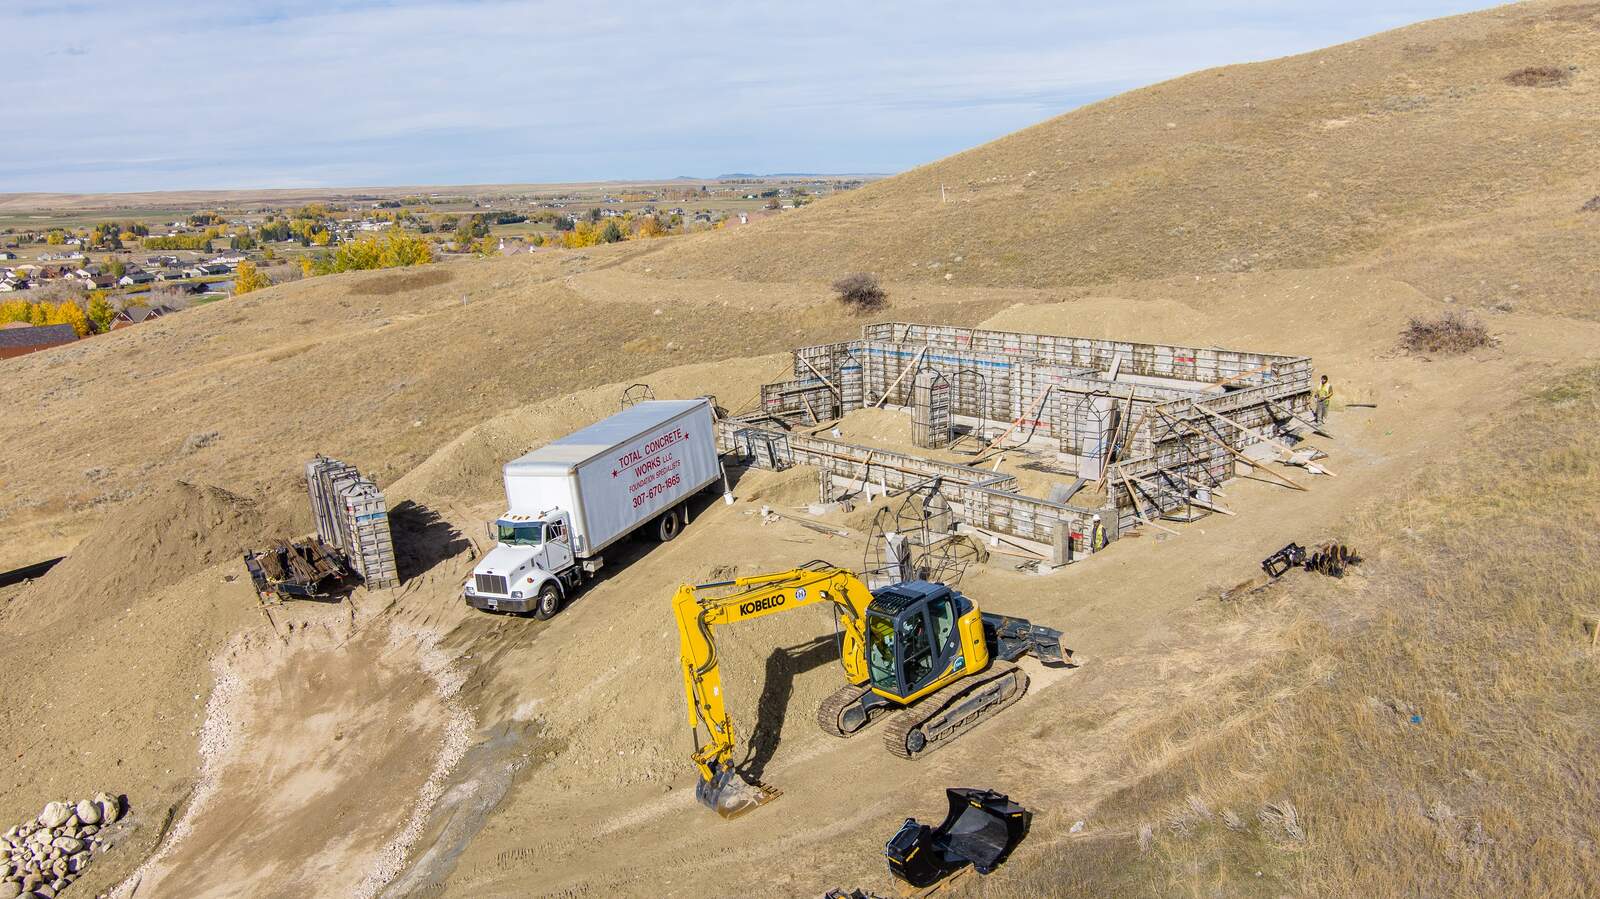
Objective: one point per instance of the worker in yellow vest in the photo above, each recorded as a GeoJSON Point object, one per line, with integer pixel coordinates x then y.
{"type": "Point", "coordinates": [1322, 394]}
{"type": "Point", "coordinates": [1097, 536]}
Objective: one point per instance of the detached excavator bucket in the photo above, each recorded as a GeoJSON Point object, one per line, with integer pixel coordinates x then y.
{"type": "Point", "coordinates": [730, 795]}
{"type": "Point", "coordinates": [981, 829]}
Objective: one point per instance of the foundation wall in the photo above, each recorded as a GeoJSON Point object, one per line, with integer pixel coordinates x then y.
{"type": "Point", "coordinates": [1043, 391]}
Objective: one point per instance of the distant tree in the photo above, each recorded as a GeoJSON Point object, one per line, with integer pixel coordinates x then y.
{"type": "Point", "coordinates": [249, 278]}
{"type": "Point", "coordinates": [37, 314]}
{"type": "Point", "coordinates": [116, 268]}
{"type": "Point", "coordinates": [594, 215]}
{"type": "Point", "coordinates": [612, 232]}
{"type": "Point", "coordinates": [242, 241]}
{"type": "Point", "coordinates": [100, 311]}
{"type": "Point", "coordinates": [68, 312]}
{"type": "Point", "coordinates": [860, 292]}
{"type": "Point", "coordinates": [14, 311]}
{"type": "Point", "coordinates": [55, 238]}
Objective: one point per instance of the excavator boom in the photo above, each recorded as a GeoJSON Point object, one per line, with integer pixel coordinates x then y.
{"type": "Point", "coordinates": [743, 599]}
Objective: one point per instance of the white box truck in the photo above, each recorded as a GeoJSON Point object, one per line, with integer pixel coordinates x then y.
{"type": "Point", "coordinates": [570, 499]}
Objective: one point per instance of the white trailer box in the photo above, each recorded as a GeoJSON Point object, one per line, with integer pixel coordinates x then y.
{"type": "Point", "coordinates": [620, 472]}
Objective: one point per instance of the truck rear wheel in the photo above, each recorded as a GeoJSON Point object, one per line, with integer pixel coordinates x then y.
{"type": "Point", "coordinates": [549, 602]}
{"type": "Point", "coordinates": [668, 526]}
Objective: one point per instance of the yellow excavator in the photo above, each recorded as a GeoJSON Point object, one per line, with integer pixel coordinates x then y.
{"type": "Point", "coordinates": [919, 650]}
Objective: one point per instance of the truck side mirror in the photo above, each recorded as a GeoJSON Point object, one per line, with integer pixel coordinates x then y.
{"type": "Point", "coordinates": [488, 528]}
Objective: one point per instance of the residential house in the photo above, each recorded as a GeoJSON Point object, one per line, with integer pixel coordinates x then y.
{"type": "Point", "coordinates": [171, 274]}
{"type": "Point", "coordinates": [99, 282]}
{"type": "Point", "coordinates": [134, 315]}
{"type": "Point", "coordinates": [134, 278]}
{"type": "Point", "coordinates": [7, 254]}
{"type": "Point", "coordinates": [14, 282]}
{"type": "Point", "coordinates": [22, 341]}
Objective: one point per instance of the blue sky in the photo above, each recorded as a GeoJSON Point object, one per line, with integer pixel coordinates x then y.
{"type": "Point", "coordinates": [159, 95]}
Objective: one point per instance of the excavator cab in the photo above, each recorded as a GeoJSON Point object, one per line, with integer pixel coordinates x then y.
{"type": "Point", "coordinates": [921, 636]}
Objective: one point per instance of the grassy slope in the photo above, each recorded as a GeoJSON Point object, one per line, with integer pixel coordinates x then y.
{"type": "Point", "coordinates": [1474, 613]}
{"type": "Point", "coordinates": [1300, 162]}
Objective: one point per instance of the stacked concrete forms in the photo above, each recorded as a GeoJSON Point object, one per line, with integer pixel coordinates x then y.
{"type": "Point", "coordinates": [353, 516]}
{"type": "Point", "coordinates": [1102, 408]}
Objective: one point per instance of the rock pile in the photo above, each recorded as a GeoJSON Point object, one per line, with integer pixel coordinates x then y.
{"type": "Point", "coordinates": [42, 856]}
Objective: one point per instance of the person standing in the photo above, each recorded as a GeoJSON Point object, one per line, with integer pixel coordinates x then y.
{"type": "Point", "coordinates": [1322, 394]}
{"type": "Point", "coordinates": [1097, 536]}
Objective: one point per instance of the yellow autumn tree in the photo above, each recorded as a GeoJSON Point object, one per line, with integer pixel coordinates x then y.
{"type": "Point", "coordinates": [101, 312]}
{"type": "Point", "coordinates": [67, 312]}
{"type": "Point", "coordinates": [249, 278]}
{"type": "Point", "coordinates": [14, 311]}
{"type": "Point", "coordinates": [38, 314]}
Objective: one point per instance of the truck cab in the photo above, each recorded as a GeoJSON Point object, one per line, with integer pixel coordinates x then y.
{"type": "Point", "coordinates": [532, 567]}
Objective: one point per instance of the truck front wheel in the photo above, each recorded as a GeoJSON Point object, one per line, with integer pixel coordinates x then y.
{"type": "Point", "coordinates": [549, 602]}
{"type": "Point", "coordinates": [668, 526]}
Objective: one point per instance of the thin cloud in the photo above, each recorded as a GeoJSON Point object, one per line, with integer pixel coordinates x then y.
{"type": "Point", "coordinates": [434, 91]}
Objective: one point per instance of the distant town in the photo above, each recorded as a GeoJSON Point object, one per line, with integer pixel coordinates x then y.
{"type": "Point", "coordinates": [91, 267]}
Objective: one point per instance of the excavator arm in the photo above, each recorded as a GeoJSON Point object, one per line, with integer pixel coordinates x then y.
{"type": "Point", "coordinates": [699, 614]}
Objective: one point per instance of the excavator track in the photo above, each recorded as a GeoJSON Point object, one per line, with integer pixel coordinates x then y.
{"type": "Point", "coordinates": [939, 719]}
{"type": "Point", "coordinates": [830, 713]}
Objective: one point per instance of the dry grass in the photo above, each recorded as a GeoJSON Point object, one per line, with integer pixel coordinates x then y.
{"type": "Point", "coordinates": [860, 293]}
{"type": "Point", "coordinates": [1453, 332]}
{"type": "Point", "coordinates": [1442, 744]}
{"type": "Point", "coordinates": [399, 282]}
{"type": "Point", "coordinates": [1539, 76]}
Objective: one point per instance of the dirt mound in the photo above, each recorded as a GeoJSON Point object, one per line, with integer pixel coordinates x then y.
{"type": "Point", "coordinates": [143, 546]}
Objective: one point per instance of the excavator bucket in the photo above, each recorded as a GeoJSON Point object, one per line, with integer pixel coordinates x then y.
{"type": "Point", "coordinates": [730, 795]}
{"type": "Point", "coordinates": [981, 829]}
{"type": "Point", "coordinates": [1012, 638]}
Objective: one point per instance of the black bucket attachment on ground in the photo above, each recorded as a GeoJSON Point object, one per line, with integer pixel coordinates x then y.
{"type": "Point", "coordinates": [981, 830]}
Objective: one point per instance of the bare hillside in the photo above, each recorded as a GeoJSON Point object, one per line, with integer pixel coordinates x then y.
{"type": "Point", "coordinates": [401, 744]}
{"type": "Point", "coordinates": [1300, 162]}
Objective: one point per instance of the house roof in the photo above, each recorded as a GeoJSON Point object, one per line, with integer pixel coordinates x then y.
{"type": "Point", "coordinates": [138, 314]}
{"type": "Point", "coordinates": [42, 335]}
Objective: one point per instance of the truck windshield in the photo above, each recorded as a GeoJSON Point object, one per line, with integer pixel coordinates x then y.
{"type": "Point", "coordinates": [520, 533]}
